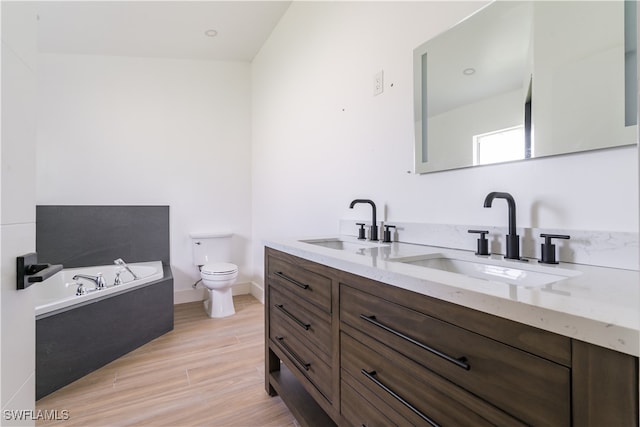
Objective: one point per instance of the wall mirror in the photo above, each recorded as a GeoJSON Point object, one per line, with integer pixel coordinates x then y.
{"type": "Point", "coordinates": [526, 79]}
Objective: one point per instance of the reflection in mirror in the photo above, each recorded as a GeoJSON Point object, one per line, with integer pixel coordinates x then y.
{"type": "Point", "coordinates": [519, 80]}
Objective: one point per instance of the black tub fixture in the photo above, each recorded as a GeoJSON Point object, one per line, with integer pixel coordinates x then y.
{"type": "Point", "coordinates": [513, 240]}
{"type": "Point", "coordinates": [374, 226]}
{"type": "Point", "coordinates": [29, 271]}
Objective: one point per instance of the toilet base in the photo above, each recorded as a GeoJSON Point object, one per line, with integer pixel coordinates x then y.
{"type": "Point", "coordinates": [220, 303]}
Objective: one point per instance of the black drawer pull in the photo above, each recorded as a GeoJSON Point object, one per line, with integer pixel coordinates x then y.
{"type": "Point", "coordinates": [289, 279]}
{"type": "Point", "coordinates": [460, 361]}
{"type": "Point", "coordinates": [377, 382]}
{"type": "Point", "coordinates": [297, 358]}
{"type": "Point", "coordinates": [280, 307]}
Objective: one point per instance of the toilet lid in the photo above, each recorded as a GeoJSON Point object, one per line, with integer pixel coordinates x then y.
{"type": "Point", "coordinates": [219, 268]}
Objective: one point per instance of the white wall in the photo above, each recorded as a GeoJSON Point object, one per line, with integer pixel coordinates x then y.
{"type": "Point", "coordinates": [143, 131]}
{"type": "Point", "coordinates": [17, 201]}
{"type": "Point", "coordinates": [321, 139]}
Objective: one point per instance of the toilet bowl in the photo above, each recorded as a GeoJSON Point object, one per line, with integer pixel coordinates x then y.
{"type": "Point", "coordinates": [218, 277]}
{"type": "Point", "coordinates": [212, 255]}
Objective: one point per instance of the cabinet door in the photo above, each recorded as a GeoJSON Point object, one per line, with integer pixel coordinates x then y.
{"type": "Point", "coordinates": [605, 387]}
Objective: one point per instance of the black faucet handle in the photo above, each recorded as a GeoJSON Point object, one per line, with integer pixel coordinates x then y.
{"type": "Point", "coordinates": [483, 243]}
{"type": "Point", "coordinates": [548, 249]}
{"type": "Point", "coordinates": [361, 235]}
{"type": "Point", "coordinates": [387, 233]}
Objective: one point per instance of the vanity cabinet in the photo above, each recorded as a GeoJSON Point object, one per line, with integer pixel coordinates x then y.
{"type": "Point", "coordinates": [395, 357]}
{"type": "Point", "coordinates": [300, 329]}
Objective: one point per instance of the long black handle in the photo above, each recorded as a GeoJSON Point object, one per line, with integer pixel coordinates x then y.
{"type": "Point", "coordinates": [289, 279]}
{"type": "Point", "coordinates": [280, 307]}
{"type": "Point", "coordinates": [293, 354]}
{"type": "Point", "coordinates": [458, 361]}
{"type": "Point", "coordinates": [396, 396]}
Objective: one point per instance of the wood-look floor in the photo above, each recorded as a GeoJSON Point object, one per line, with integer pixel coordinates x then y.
{"type": "Point", "coordinates": [206, 372]}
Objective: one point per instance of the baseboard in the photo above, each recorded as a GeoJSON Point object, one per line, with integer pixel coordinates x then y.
{"type": "Point", "coordinates": [257, 291]}
{"type": "Point", "coordinates": [199, 294]}
{"type": "Point", "coordinates": [188, 295]}
{"type": "Point", "coordinates": [241, 288]}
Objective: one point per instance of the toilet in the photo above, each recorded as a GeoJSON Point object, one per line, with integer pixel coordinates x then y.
{"type": "Point", "coordinates": [212, 255]}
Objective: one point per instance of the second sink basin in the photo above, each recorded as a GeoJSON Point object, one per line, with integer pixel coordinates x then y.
{"type": "Point", "coordinates": [511, 272]}
{"type": "Point", "coordinates": [336, 243]}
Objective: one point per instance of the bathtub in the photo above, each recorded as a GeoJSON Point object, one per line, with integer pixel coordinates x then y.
{"type": "Point", "coordinates": [76, 335]}
{"type": "Point", "coordinates": [59, 291]}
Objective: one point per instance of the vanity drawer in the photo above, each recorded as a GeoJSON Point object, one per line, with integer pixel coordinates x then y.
{"type": "Point", "coordinates": [410, 390]}
{"type": "Point", "coordinates": [312, 364]}
{"type": "Point", "coordinates": [361, 411]}
{"type": "Point", "coordinates": [302, 319]}
{"type": "Point", "coordinates": [529, 387]}
{"type": "Point", "coordinates": [305, 284]}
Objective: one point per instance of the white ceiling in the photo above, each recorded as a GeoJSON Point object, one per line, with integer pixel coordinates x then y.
{"type": "Point", "coordinates": [167, 29]}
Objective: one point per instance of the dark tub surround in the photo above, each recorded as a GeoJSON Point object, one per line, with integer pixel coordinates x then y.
{"type": "Point", "coordinates": [73, 343]}
{"type": "Point", "coordinates": [77, 340]}
{"type": "Point", "coordinates": [81, 236]}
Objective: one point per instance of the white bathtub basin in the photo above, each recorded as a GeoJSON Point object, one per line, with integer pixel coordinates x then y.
{"type": "Point", "coordinates": [503, 271]}
{"type": "Point", "coordinates": [59, 291]}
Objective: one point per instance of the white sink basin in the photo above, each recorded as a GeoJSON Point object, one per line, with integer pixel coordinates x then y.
{"type": "Point", "coordinates": [510, 272]}
{"type": "Point", "coordinates": [348, 245]}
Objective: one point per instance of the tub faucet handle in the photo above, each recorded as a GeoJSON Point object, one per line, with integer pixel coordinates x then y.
{"type": "Point", "coordinates": [118, 280]}
{"type": "Point", "coordinates": [100, 282]}
{"type": "Point", "coordinates": [80, 290]}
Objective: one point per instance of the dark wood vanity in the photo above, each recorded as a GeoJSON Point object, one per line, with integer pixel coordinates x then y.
{"type": "Point", "coordinates": [346, 350]}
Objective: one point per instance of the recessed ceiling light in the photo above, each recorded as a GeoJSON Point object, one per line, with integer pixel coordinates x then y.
{"type": "Point", "coordinates": [468, 71]}
{"type": "Point", "coordinates": [211, 33]}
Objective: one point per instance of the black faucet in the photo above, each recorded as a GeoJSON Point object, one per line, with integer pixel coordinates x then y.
{"type": "Point", "coordinates": [513, 240]}
{"type": "Point", "coordinates": [374, 226]}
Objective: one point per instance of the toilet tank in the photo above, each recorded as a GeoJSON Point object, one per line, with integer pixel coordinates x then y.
{"type": "Point", "coordinates": [211, 247]}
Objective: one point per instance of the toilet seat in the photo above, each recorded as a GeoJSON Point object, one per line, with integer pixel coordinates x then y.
{"type": "Point", "coordinates": [219, 270]}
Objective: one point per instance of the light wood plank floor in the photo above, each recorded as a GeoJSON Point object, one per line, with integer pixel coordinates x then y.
{"type": "Point", "coordinates": [206, 372]}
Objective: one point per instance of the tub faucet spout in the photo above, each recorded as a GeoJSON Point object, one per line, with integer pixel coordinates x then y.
{"type": "Point", "coordinates": [124, 265]}
{"type": "Point", "coordinates": [97, 280]}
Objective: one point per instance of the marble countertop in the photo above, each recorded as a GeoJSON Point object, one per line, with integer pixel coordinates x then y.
{"type": "Point", "coordinates": [597, 305]}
